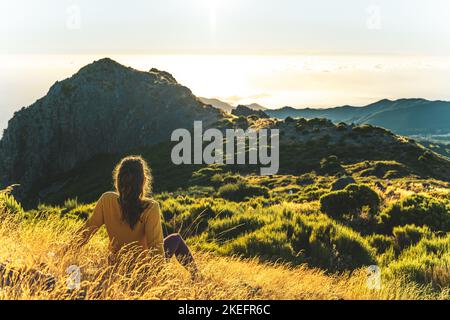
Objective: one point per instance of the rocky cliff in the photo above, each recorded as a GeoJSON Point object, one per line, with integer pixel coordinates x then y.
{"type": "Point", "coordinates": [104, 108]}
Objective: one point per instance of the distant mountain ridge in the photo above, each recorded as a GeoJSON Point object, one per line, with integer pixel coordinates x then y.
{"type": "Point", "coordinates": [227, 107]}
{"type": "Point", "coordinates": [404, 116]}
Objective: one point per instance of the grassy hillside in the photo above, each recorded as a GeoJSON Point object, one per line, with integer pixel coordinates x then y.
{"type": "Point", "coordinates": [315, 145]}
{"type": "Point", "coordinates": [292, 221]}
{"type": "Point", "coordinates": [35, 240]}
{"type": "Point", "coordinates": [347, 197]}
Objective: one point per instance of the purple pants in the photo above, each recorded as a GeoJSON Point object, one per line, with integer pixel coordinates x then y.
{"type": "Point", "coordinates": [174, 245]}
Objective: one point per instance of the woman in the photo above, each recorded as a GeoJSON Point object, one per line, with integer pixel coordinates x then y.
{"type": "Point", "coordinates": [131, 218]}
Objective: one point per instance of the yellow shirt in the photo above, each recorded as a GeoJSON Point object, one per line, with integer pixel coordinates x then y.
{"type": "Point", "coordinates": [147, 232]}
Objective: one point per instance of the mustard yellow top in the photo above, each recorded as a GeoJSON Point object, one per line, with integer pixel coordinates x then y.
{"type": "Point", "coordinates": [147, 232]}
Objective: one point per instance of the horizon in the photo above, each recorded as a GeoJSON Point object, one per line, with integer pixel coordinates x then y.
{"type": "Point", "coordinates": [276, 54]}
{"type": "Point", "coordinates": [299, 81]}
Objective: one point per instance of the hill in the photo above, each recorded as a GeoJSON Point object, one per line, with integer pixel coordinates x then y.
{"type": "Point", "coordinates": [404, 116]}
{"type": "Point", "coordinates": [42, 241]}
{"type": "Point", "coordinates": [216, 103]}
{"type": "Point", "coordinates": [306, 146]}
{"type": "Point", "coordinates": [104, 108]}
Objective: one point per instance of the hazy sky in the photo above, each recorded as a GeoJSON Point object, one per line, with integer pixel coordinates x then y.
{"type": "Point", "coordinates": [314, 53]}
{"type": "Point", "coordinates": [225, 26]}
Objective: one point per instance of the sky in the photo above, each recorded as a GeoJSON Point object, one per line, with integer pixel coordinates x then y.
{"type": "Point", "coordinates": [274, 52]}
{"type": "Point", "coordinates": [225, 26]}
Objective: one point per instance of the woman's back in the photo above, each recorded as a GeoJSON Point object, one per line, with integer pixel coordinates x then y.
{"type": "Point", "coordinates": [147, 232]}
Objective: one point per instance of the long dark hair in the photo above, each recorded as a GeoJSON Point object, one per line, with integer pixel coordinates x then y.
{"type": "Point", "coordinates": [132, 179]}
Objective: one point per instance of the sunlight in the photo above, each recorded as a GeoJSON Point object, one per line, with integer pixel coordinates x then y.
{"type": "Point", "coordinates": [213, 7]}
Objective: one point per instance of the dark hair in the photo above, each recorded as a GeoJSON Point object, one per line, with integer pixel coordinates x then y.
{"type": "Point", "coordinates": [132, 180]}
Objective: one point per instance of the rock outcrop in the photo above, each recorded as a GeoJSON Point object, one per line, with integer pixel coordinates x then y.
{"type": "Point", "coordinates": [244, 111]}
{"type": "Point", "coordinates": [104, 108]}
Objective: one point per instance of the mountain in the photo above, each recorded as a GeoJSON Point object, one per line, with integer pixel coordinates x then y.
{"type": "Point", "coordinates": [306, 146]}
{"type": "Point", "coordinates": [104, 108]}
{"type": "Point", "coordinates": [404, 116]}
{"type": "Point", "coordinates": [216, 103]}
{"type": "Point", "coordinates": [256, 107]}
{"type": "Point", "coordinates": [67, 142]}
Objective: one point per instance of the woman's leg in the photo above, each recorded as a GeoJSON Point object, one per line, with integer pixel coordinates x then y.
{"type": "Point", "coordinates": [174, 245]}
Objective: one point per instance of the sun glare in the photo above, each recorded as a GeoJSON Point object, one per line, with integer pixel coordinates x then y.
{"type": "Point", "coordinates": [213, 7]}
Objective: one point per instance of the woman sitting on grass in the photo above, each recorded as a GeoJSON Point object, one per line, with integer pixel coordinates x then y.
{"type": "Point", "coordinates": [131, 218]}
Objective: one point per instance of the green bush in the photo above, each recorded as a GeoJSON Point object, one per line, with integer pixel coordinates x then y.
{"type": "Point", "coordinates": [409, 235]}
{"type": "Point", "coordinates": [331, 166]}
{"type": "Point", "coordinates": [380, 242]}
{"type": "Point", "coordinates": [350, 201]}
{"type": "Point", "coordinates": [82, 212]}
{"type": "Point", "coordinates": [420, 210]}
{"type": "Point", "coordinates": [336, 248]}
{"type": "Point", "coordinates": [336, 204]}
{"type": "Point", "coordinates": [427, 263]}
{"type": "Point", "coordinates": [9, 204]}
{"type": "Point", "coordinates": [233, 227]}
{"type": "Point", "coordinates": [325, 244]}
{"type": "Point", "coordinates": [240, 191]}
{"type": "Point", "coordinates": [265, 244]}
{"type": "Point", "coordinates": [71, 204]}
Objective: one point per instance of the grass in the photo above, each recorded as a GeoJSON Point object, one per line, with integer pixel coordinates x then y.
{"type": "Point", "coordinates": [254, 237]}
{"type": "Point", "coordinates": [38, 243]}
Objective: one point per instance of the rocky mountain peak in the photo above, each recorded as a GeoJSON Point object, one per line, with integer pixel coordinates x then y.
{"type": "Point", "coordinates": [104, 108]}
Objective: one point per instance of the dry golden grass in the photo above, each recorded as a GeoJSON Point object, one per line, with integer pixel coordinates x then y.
{"type": "Point", "coordinates": [40, 244]}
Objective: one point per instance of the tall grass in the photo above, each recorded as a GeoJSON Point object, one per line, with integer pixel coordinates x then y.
{"type": "Point", "coordinates": [39, 242]}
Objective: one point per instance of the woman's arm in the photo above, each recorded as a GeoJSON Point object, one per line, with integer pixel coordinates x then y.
{"type": "Point", "coordinates": [153, 231]}
{"type": "Point", "coordinates": [93, 224]}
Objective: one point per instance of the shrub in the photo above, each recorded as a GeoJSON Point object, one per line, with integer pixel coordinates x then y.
{"type": "Point", "coordinates": [290, 120]}
{"type": "Point", "coordinates": [337, 248]}
{"type": "Point", "coordinates": [380, 243]}
{"type": "Point", "coordinates": [82, 212]}
{"type": "Point", "coordinates": [9, 204]}
{"type": "Point", "coordinates": [409, 235]}
{"type": "Point", "coordinates": [325, 244]}
{"type": "Point", "coordinates": [420, 210]}
{"type": "Point", "coordinates": [265, 244]}
{"type": "Point", "coordinates": [233, 227]}
{"type": "Point", "coordinates": [349, 201]}
{"type": "Point", "coordinates": [336, 204]}
{"type": "Point", "coordinates": [363, 195]}
{"type": "Point", "coordinates": [342, 183]}
{"type": "Point", "coordinates": [240, 191]}
{"type": "Point", "coordinates": [330, 165]}
{"type": "Point", "coordinates": [71, 204]}
{"type": "Point", "coordinates": [228, 209]}
{"type": "Point", "coordinates": [427, 262]}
